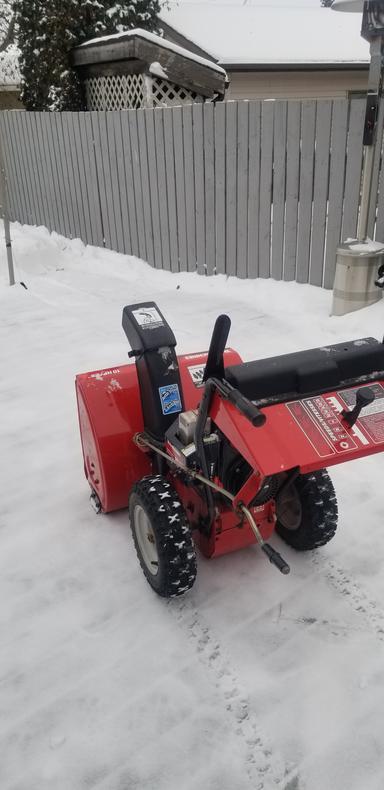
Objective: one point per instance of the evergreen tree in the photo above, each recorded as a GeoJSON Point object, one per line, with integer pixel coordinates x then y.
{"type": "Point", "coordinates": [48, 29]}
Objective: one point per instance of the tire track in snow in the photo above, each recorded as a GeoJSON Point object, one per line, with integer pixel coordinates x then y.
{"type": "Point", "coordinates": [359, 601]}
{"type": "Point", "coordinates": [264, 768]}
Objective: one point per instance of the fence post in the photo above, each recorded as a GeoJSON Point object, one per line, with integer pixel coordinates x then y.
{"type": "Point", "coordinates": [4, 216]}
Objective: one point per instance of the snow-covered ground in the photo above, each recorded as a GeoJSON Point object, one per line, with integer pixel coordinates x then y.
{"type": "Point", "coordinates": [253, 680]}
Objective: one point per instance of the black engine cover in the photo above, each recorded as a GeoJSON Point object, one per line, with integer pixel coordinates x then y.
{"type": "Point", "coordinates": [153, 345]}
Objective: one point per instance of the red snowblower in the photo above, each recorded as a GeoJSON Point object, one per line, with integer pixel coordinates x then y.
{"type": "Point", "coordinates": [211, 451]}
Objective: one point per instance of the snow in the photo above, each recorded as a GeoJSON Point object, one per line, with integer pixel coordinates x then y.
{"type": "Point", "coordinates": [268, 31]}
{"type": "Point", "coordinates": [154, 39]}
{"type": "Point", "coordinates": [253, 680]}
{"type": "Point", "coordinates": [363, 247]}
{"type": "Point", "coordinates": [9, 67]}
{"type": "Point", "coordinates": [157, 70]}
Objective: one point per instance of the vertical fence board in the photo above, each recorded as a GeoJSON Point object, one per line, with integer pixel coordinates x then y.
{"type": "Point", "coordinates": [56, 154]}
{"type": "Point", "coordinates": [266, 168]}
{"type": "Point", "coordinates": [177, 122]}
{"type": "Point", "coordinates": [107, 142]}
{"type": "Point", "coordinates": [121, 196]}
{"type": "Point", "coordinates": [253, 189]}
{"type": "Point", "coordinates": [162, 181]}
{"type": "Point", "coordinates": [112, 178]}
{"type": "Point", "coordinates": [133, 198]}
{"type": "Point", "coordinates": [292, 188]}
{"type": "Point", "coordinates": [353, 168]}
{"type": "Point", "coordinates": [23, 168]}
{"type": "Point", "coordinates": [44, 171]}
{"type": "Point", "coordinates": [242, 188]}
{"type": "Point", "coordinates": [8, 171]}
{"type": "Point", "coordinates": [220, 187]}
{"type": "Point", "coordinates": [22, 199]}
{"type": "Point", "coordinates": [306, 190]}
{"type": "Point", "coordinates": [95, 218]}
{"type": "Point", "coordinates": [336, 187]}
{"type": "Point", "coordinates": [54, 190]}
{"type": "Point", "coordinates": [73, 195]}
{"type": "Point", "coordinates": [25, 165]}
{"type": "Point", "coordinates": [375, 174]}
{"type": "Point", "coordinates": [279, 172]}
{"type": "Point", "coordinates": [153, 183]}
{"type": "Point", "coordinates": [189, 187]}
{"type": "Point", "coordinates": [198, 152]}
{"type": "Point", "coordinates": [143, 155]}
{"type": "Point", "coordinates": [66, 180]}
{"type": "Point", "coordinates": [171, 190]}
{"type": "Point", "coordinates": [320, 190]}
{"type": "Point", "coordinates": [231, 188]}
{"type": "Point", "coordinates": [209, 174]}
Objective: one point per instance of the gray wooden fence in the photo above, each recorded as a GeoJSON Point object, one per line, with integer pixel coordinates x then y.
{"type": "Point", "coordinates": [253, 189]}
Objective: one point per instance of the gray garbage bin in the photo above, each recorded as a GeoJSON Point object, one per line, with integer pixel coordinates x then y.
{"type": "Point", "coordinates": [357, 264]}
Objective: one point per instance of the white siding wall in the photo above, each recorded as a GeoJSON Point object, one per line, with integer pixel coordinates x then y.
{"type": "Point", "coordinates": [295, 84]}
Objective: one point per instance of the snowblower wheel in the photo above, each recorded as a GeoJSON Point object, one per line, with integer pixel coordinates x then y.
{"type": "Point", "coordinates": [162, 537]}
{"type": "Point", "coordinates": [307, 511]}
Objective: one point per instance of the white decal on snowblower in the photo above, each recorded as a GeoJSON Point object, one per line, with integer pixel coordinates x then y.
{"type": "Point", "coordinates": [196, 373]}
{"type": "Point", "coordinates": [148, 317]}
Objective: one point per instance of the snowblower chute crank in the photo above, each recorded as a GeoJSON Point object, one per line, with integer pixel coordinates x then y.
{"type": "Point", "coordinates": [207, 450]}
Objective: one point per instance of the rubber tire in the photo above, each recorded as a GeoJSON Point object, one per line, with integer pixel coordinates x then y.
{"type": "Point", "coordinates": [176, 552]}
{"type": "Point", "coordinates": [318, 521]}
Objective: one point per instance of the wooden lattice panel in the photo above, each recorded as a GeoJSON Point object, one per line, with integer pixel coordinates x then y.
{"type": "Point", "coordinates": [117, 92]}
{"type": "Point", "coordinates": [168, 94]}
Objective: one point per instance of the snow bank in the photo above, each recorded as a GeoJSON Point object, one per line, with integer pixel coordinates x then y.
{"type": "Point", "coordinates": [252, 681]}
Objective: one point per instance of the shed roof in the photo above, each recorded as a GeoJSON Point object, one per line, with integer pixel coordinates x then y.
{"type": "Point", "coordinates": [269, 32]}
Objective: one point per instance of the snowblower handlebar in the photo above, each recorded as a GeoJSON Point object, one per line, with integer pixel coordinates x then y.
{"type": "Point", "coordinates": [242, 404]}
{"type": "Point", "coordinates": [247, 408]}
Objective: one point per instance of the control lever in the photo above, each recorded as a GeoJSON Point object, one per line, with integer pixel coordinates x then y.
{"type": "Point", "coordinates": [364, 397]}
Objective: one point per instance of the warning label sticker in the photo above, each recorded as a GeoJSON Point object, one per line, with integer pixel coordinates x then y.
{"type": "Point", "coordinates": [322, 426]}
{"type": "Point", "coordinates": [309, 428]}
{"type": "Point", "coordinates": [148, 317]}
{"type": "Point", "coordinates": [372, 417]}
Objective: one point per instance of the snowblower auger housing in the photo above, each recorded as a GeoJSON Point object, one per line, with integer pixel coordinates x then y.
{"type": "Point", "coordinates": [210, 451]}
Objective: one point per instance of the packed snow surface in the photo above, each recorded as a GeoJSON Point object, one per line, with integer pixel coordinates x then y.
{"type": "Point", "coordinates": [254, 680]}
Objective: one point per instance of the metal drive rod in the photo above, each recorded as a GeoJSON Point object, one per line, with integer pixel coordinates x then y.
{"type": "Point", "coordinates": [4, 216]}
{"type": "Point", "coordinates": [274, 557]}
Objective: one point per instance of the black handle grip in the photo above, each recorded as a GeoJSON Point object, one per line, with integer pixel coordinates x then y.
{"type": "Point", "coordinates": [276, 559]}
{"type": "Point", "coordinates": [246, 407]}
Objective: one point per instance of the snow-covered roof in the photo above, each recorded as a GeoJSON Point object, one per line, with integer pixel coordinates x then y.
{"type": "Point", "coordinates": [269, 31]}
{"type": "Point", "coordinates": [9, 67]}
{"type": "Point", "coordinates": [154, 39]}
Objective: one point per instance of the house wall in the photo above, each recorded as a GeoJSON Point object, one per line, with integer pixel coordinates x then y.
{"type": "Point", "coordinates": [295, 84]}
{"type": "Point", "coordinates": [10, 100]}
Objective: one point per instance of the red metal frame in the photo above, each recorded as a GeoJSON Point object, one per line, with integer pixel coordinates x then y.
{"type": "Point", "coordinates": [308, 434]}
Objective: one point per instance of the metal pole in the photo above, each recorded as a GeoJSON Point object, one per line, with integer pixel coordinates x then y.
{"type": "Point", "coordinates": [4, 216]}
{"type": "Point", "coordinates": [8, 244]}
{"type": "Point", "coordinates": [373, 95]}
